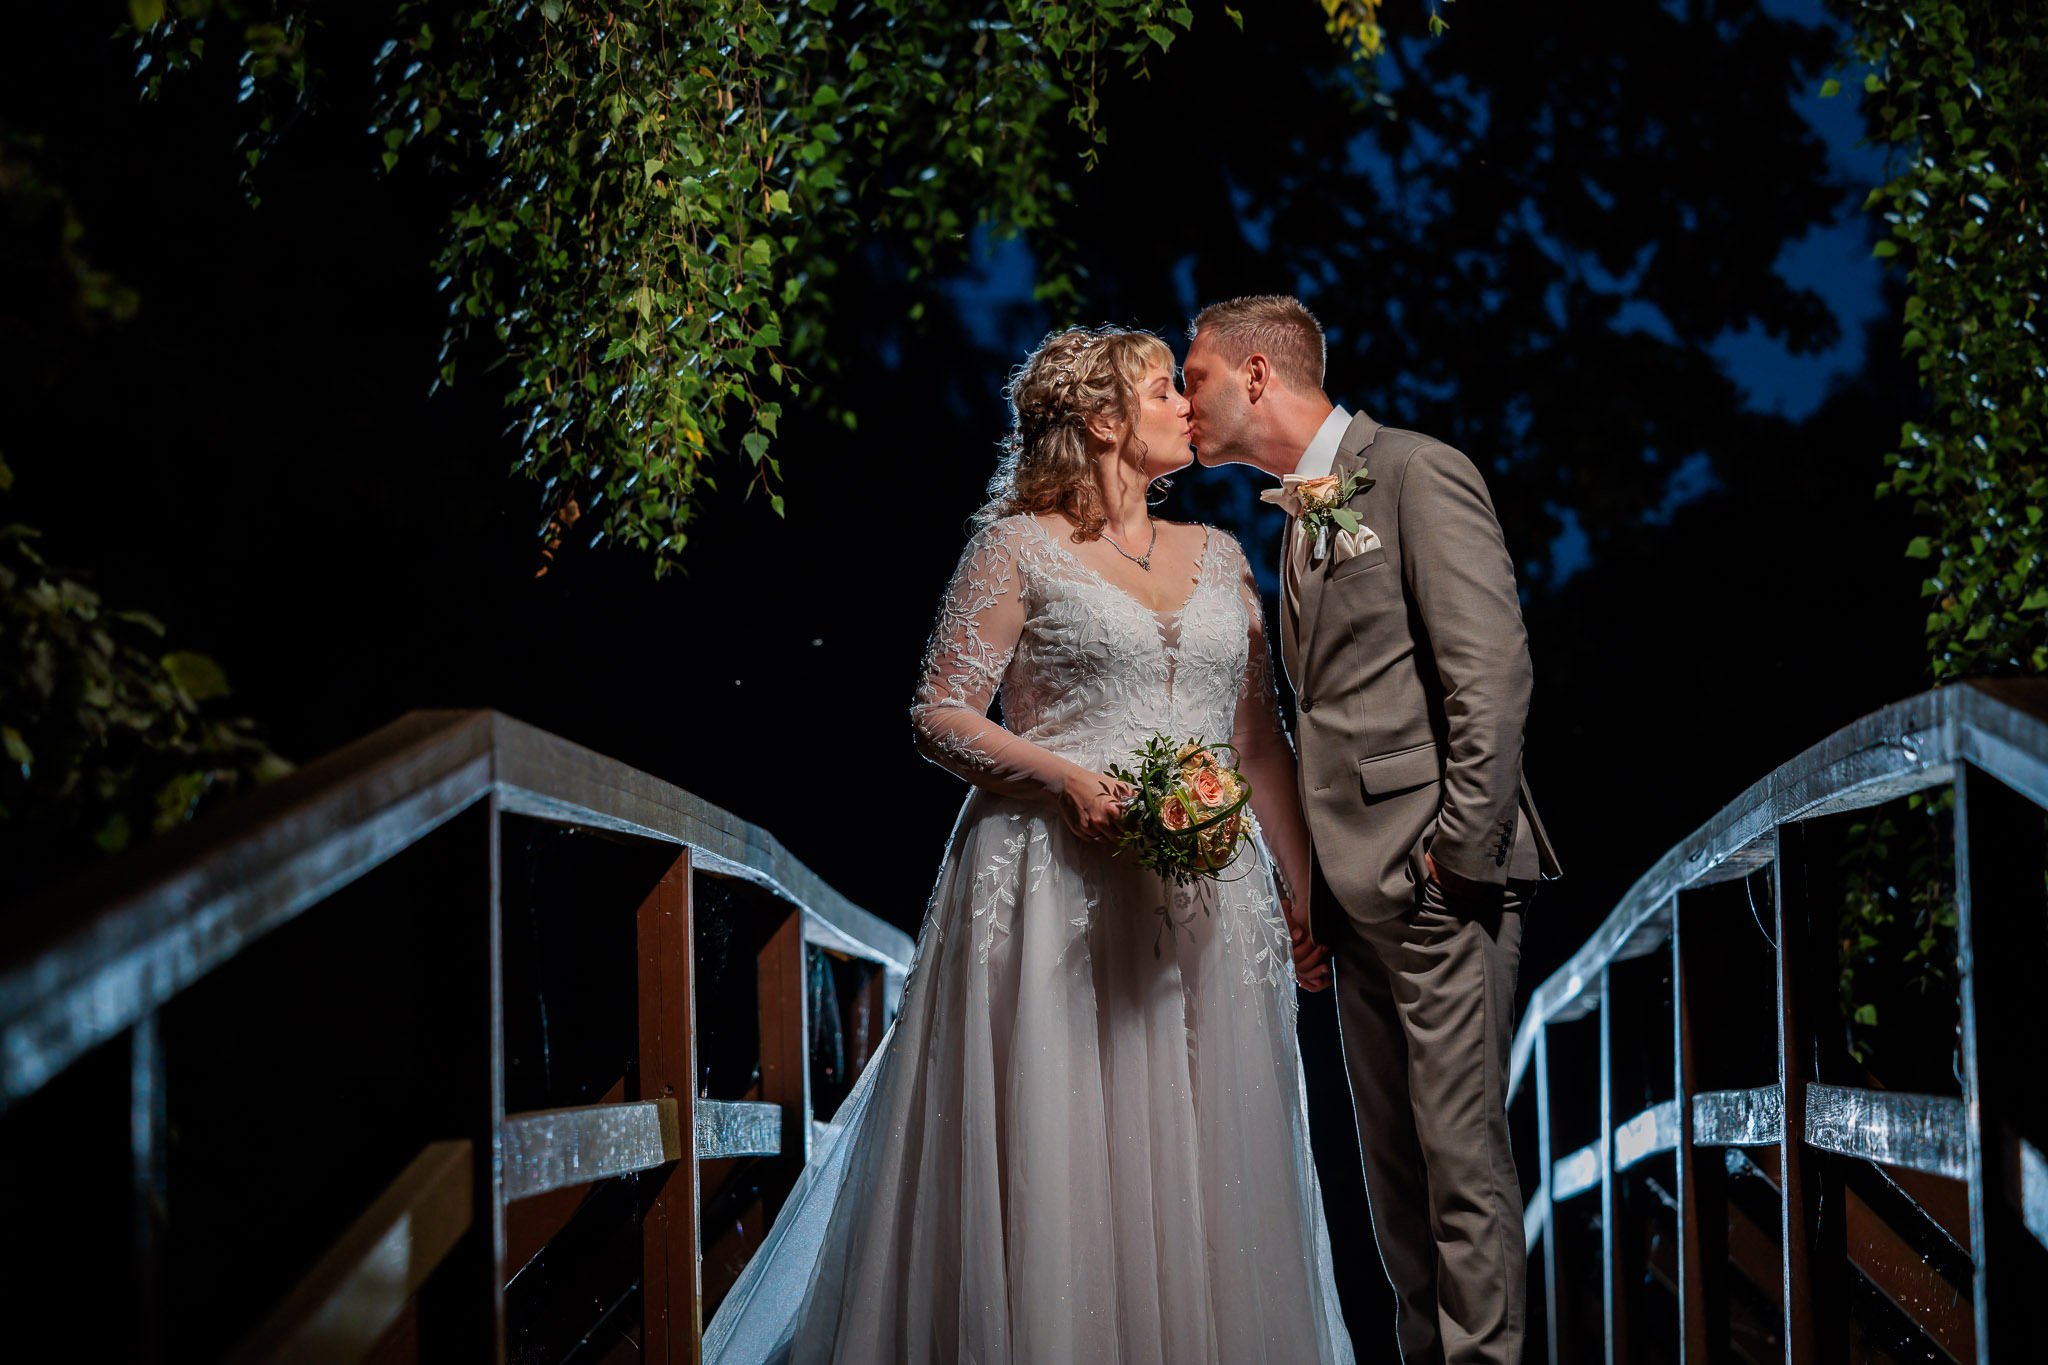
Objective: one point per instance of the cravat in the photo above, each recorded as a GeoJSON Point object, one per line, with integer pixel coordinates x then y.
{"type": "Point", "coordinates": [1293, 551]}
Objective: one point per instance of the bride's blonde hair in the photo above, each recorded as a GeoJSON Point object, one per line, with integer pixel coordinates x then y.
{"type": "Point", "coordinates": [1075, 374]}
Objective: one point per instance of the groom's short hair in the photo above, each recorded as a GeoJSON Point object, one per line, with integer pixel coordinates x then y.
{"type": "Point", "coordinates": [1277, 326]}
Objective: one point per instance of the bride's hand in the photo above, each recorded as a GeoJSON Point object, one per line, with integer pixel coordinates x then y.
{"type": "Point", "coordinates": [1093, 805]}
{"type": "Point", "coordinates": [1311, 959]}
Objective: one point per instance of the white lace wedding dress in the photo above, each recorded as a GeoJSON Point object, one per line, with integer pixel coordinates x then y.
{"type": "Point", "coordinates": [1085, 1138]}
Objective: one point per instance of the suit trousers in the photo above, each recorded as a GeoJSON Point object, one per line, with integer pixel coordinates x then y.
{"type": "Point", "coordinates": [1426, 1003]}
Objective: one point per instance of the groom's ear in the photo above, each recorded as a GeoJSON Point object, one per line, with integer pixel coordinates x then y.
{"type": "Point", "coordinates": [1258, 376]}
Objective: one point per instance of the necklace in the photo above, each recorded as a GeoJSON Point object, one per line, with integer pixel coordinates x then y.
{"type": "Point", "coordinates": [1143, 561]}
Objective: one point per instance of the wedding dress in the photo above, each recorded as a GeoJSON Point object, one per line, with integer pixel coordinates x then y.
{"type": "Point", "coordinates": [1085, 1137]}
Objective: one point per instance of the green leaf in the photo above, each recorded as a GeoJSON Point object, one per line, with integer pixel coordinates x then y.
{"type": "Point", "coordinates": [1235, 17]}
{"type": "Point", "coordinates": [1866, 1015]}
{"type": "Point", "coordinates": [18, 751]}
{"type": "Point", "coordinates": [756, 445]}
{"type": "Point", "coordinates": [1885, 250]}
{"type": "Point", "coordinates": [1830, 88]}
{"type": "Point", "coordinates": [2037, 600]}
{"type": "Point", "coordinates": [197, 676]}
{"type": "Point", "coordinates": [146, 13]}
{"type": "Point", "coordinates": [1346, 518]}
{"type": "Point", "coordinates": [1919, 548]}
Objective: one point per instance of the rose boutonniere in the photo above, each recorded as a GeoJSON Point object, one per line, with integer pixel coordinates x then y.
{"type": "Point", "coordinates": [1320, 503]}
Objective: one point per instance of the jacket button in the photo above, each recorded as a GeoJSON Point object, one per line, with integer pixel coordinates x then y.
{"type": "Point", "coordinates": [1308, 703]}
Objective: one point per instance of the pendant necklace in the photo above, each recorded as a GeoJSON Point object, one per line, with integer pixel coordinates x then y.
{"type": "Point", "coordinates": [1143, 561]}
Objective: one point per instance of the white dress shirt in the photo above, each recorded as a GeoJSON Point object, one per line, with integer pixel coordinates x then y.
{"type": "Point", "coordinates": [1316, 461]}
{"type": "Point", "coordinates": [1321, 455]}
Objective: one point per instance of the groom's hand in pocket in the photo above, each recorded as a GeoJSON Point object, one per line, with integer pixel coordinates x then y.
{"type": "Point", "coordinates": [1311, 959]}
{"type": "Point", "coordinates": [1462, 896]}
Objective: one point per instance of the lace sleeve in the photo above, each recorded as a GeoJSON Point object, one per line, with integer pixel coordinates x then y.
{"type": "Point", "coordinates": [1265, 753]}
{"type": "Point", "coordinates": [980, 620]}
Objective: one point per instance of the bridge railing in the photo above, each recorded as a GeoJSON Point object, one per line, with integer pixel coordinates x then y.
{"type": "Point", "coordinates": [1755, 1209]}
{"type": "Point", "coordinates": [461, 1042]}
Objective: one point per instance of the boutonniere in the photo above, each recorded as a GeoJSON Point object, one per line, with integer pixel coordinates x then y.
{"type": "Point", "coordinates": [1321, 503]}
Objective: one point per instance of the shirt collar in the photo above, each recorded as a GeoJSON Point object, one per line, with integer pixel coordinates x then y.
{"type": "Point", "coordinates": [1321, 455]}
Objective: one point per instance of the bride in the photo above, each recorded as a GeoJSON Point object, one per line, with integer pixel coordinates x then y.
{"type": "Point", "coordinates": [1085, 1137]}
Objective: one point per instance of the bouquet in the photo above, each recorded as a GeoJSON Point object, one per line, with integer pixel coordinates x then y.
{"type": "Point", "coordinates": [1186, 817]}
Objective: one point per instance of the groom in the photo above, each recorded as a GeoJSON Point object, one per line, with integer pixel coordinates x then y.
{"type": "Point", "coordinates": [1402, 634]}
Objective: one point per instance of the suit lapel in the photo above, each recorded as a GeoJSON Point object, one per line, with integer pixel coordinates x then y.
{"type": "Point", "coordinates": [1350, 454]}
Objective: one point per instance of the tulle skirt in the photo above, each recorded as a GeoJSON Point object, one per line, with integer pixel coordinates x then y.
{"type": "Point", "coordinates": [1085, 1138]}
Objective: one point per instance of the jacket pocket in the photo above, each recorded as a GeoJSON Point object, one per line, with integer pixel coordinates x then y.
{"type": "Point", "coordinates": [1400, 770]}
{"type": "Point", "coordinates": [1363, 562]}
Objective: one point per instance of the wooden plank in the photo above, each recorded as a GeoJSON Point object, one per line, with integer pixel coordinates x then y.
{"type": "Point", "coordinates": [671, 1275]}
{"type": "Point", "coordinates": [1897, 1270]}
{"type": "Point", "coordinates": [1576, 1174]}
{"type": "Point", "coordinates": [1739, 1118]}
{"type": "Point", "coordinates": [1918, 1132]}
{"type": "Point", "coordinates": [735, 1128]}
{"type": "Point", "coordinates": [531, 1223]}
{"type": "Point", "coordinates": [1653, 1131]}
{"type": "Point", "coordinates": [558, 1149]}
{"type": "Point", "coordinates": [359, 1289]}
{"type": "Point", "coordinates": [2002, 943]}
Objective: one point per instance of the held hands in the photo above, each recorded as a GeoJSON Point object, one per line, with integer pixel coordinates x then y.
{"type": "Point", "coordinates": [1311, 959]}
{"type": "Point", "coordinates": [1093, 805]}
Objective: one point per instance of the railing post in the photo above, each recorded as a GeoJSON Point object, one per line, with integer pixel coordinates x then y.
{"type": "Point", "coordinates": [148, 1132]}
{"type": "Point", "coordinates": [671, 1277]}
{"type": "Point", "coordinates": [1547, 1163]}
{"type": "Point", "coordinates": [462, 1307]}
{"type": "Point", "coordinates": [1702, 1189]}
{"type": "Point", "coordinates": [785, 1041]}
{"type": "Point", "coordinates": [1810, 1220]}
{"type": "Point", "coordinates": [2002, 947]}
{"type": "Point", "coordinates": [1613, 1295]}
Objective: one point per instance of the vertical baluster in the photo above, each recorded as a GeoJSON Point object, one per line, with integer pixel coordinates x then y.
{"type": "Point", "coordinates": [671, 1279]}
{"type": "Point", "coordinates": [1702, 1189]}
{"type": "Point", "coordinates": [785, 1050]}
{"type": "Point", "coordinates": [2002, 945]}
{"type": "Point", "coordinates": [148, 1130]}
{"type": "Point", "coordinates": [1815, 1261]}
{"type": "Point", "coordinates": [462, 1306]}
{"type": "Point", "coordinates": [1552, 1297]}
{"type": "Point", "coordinates": [1613, 1293]}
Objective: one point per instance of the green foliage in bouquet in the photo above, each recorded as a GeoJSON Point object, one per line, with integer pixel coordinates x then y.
{"type": "Point", "coordinates": [1186, 818]}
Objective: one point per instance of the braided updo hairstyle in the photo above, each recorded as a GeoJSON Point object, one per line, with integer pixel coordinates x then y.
{"type": "Point", "coordinates": [1046, 463]}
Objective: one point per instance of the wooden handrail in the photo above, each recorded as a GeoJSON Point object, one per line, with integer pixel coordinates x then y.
{"type": "Point", "coordinates": [1818, 1140]}
{"type": "Point", "coordinates": [1910, 746]}
{"type": "Point", "coordinates": [85, 964]}
{"type": "Point", "coordinates": [345, 1304]}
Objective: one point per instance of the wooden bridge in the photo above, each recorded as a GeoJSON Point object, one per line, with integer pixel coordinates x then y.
{"type": "Point", "coordinates": [468, 1044]}
{"type": "Point", "coordinates": [461, 1044]}
{"type": "Point", "coordinates": [1733, 1186]}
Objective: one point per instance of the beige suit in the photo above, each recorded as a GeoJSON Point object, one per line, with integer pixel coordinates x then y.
{"type": "Point", "coordinates": [1411, 673]}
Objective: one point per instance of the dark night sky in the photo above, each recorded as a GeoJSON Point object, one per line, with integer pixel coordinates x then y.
{"type": "Point", "coordinates": [255, 460]}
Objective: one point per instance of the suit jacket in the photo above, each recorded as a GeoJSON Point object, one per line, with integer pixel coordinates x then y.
{"type": "Point", "coordinates": [1411, 677]}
